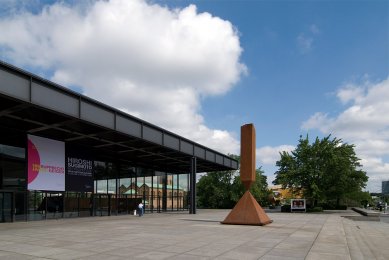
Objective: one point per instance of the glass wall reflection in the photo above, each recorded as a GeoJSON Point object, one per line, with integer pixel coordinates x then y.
{"type": "Point", "coordinates": [118, 189]}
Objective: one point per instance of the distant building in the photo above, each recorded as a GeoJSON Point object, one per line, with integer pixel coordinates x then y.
{"type": "Point", "coordinates": [385, 187]}
{"type": "Point", "coordinates": [282, 196]}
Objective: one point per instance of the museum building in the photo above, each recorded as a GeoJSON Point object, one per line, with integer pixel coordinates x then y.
{"type": "Point", "coordinates": [65, 155]}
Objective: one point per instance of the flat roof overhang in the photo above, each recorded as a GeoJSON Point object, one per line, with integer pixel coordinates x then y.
{"type": "Point", "coordinates": [33, 105]}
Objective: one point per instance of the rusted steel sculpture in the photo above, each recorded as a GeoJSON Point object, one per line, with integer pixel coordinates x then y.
{"type": "Point", "coordinates": [247, 211]}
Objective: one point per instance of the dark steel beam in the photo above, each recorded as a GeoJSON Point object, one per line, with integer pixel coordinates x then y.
{"type": "Point", "coordinates": [13, 109]}
{"type": "Point", "coordinates": [50, 126]}
{"type": "Point", "coordinates": [193, 168]}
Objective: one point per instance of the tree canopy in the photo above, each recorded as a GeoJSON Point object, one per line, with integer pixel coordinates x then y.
{"type": "Point", "coordinates": [223, 189]}
{"type": "Point", "coordinates": [326, 170]}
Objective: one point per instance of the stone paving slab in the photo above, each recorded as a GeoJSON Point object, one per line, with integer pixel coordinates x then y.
{"type": "Point", "coordinates": [200, 236]}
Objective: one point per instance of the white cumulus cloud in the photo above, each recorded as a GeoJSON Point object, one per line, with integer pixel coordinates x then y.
{"type": "Point", "coordinates": [365, 123]}
{"type": "Point", "coordinates": [151, 61]}
{"type": "Point", "coordinates": [268, 155]}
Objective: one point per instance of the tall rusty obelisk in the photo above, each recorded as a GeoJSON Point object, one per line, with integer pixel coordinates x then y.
{"type": "Point", "coordinates": [247, 211]}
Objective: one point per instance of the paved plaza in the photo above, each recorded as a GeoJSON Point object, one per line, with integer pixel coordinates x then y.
{"type": "Point", "coordinates": [201, 236]}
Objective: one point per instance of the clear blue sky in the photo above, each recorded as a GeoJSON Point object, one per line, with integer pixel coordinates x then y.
{"type": "Point", "coordinates": [311, 67]}
{"type": "Point", "coordinates": [286, 85]}
{"type": "Point", "coordinates": [347, 42]}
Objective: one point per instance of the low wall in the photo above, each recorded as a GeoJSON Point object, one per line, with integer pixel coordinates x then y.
{"type": "Point", "coordinates": [367, 212]}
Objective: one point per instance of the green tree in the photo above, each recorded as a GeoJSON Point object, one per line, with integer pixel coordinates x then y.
{"type": "Point", "coordinates": [359, 198]}
{"type": "Point", "coordinates": [326, 170]}
{"type": "Point", "coordinates": [258, 189]}
{"type": "Point", "coordinates": [223, 189]}
{"type": "Point", "coordinates": [214, 190]}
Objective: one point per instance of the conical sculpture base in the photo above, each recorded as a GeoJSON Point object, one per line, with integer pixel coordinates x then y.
{"type": "Point", "coordinates": [247, 212]}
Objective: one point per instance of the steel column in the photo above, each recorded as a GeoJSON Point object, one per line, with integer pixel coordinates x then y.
{"type": "Point", "coordinates": [193, 169]}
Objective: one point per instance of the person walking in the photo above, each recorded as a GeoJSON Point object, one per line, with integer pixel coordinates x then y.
{"type": "Point", "coordinates": [140, 208]}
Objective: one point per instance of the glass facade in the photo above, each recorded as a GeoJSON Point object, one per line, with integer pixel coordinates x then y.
{"type": "Point", "coordinates": [118, 189]}
{"type": "Point", "coordinates": [52, 138]}
{"type": "Point", "coordinates": [13, 183]}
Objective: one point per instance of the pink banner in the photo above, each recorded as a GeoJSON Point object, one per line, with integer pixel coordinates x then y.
{"type": "Point", "coordinates": [46, 164]}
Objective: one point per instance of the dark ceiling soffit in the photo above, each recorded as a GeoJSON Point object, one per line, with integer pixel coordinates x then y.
{"type": "Point", "coordinates": [84, 110]}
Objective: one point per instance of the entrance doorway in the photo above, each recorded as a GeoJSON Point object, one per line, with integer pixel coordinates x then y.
{"type": "Point", "coordinates": [102, 204]}
{"type": "Point", "coordinates": [6, 201]}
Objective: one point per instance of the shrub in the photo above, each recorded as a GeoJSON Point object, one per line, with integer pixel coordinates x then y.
{"type": "Point", "coordinates": [341, 207]}
{"type": "Point", "coordinates": [331, 206]}
{"type": "Point", "coordinates": [315, 209]}
{"type": "Point", "coordinates": [285, 208]}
